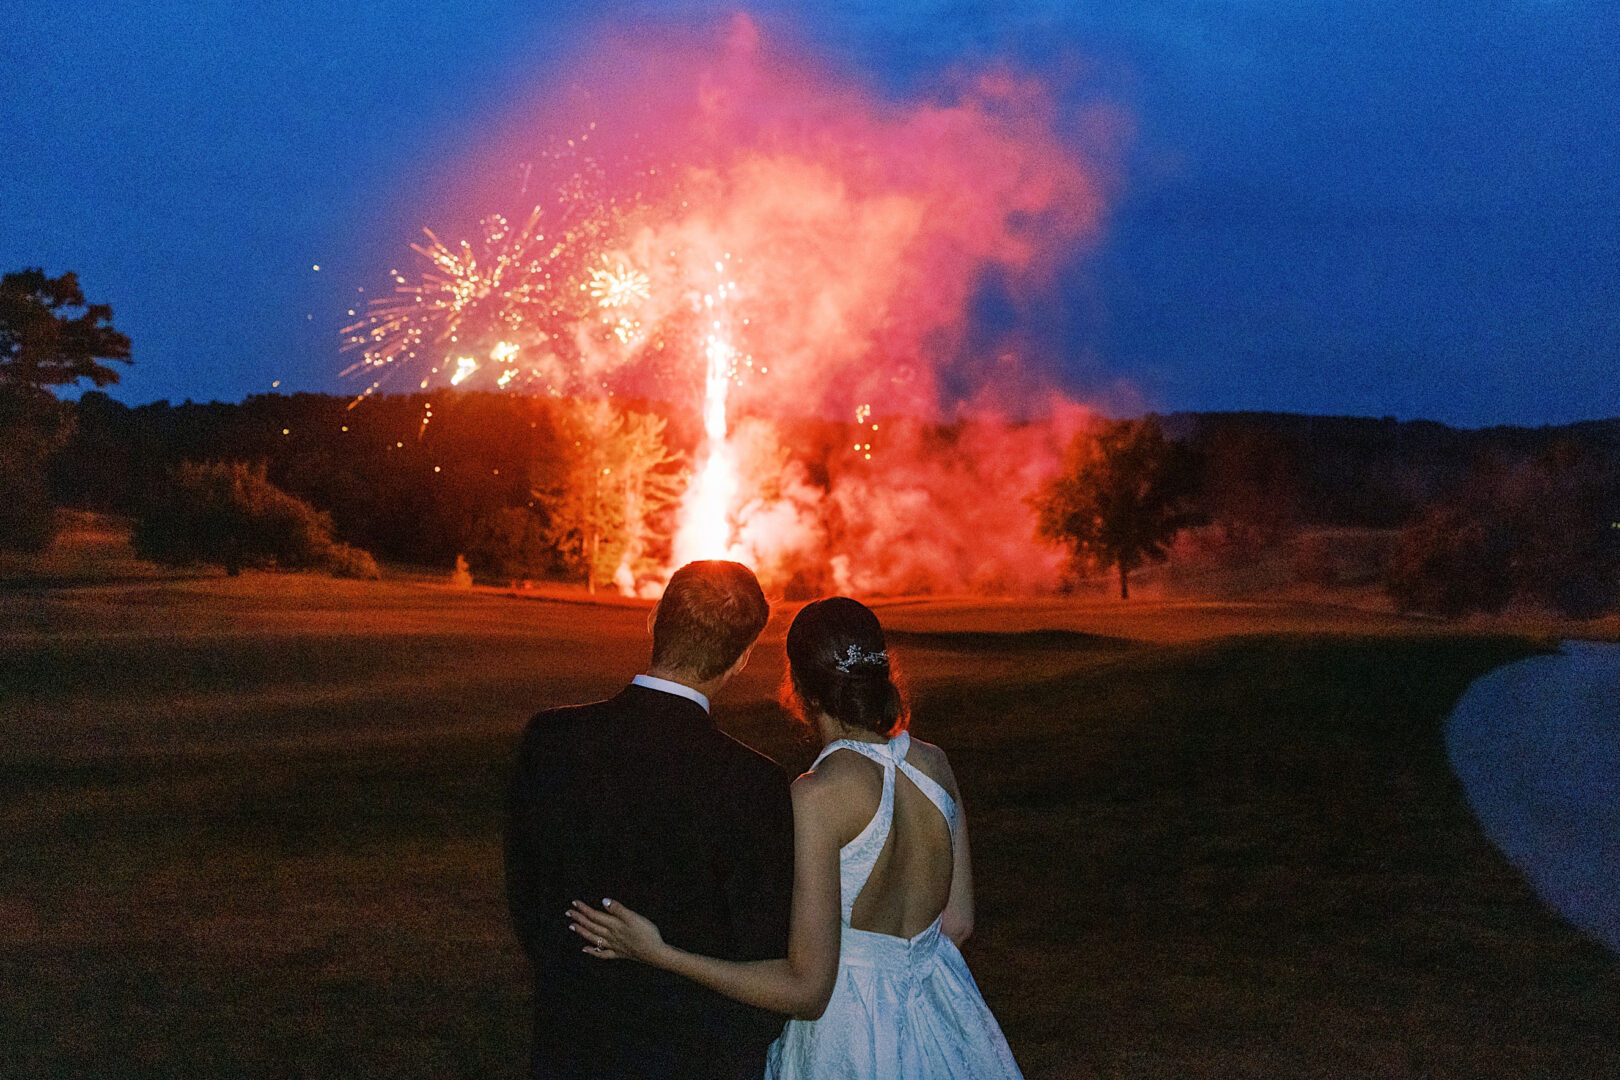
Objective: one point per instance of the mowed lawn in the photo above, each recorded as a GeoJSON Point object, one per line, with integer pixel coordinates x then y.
{"type": "Point", "coordinates": [252, 829]}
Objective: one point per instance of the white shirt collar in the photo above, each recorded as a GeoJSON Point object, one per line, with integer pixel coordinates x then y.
{"type": "Point", "coordinates": [678, 689]}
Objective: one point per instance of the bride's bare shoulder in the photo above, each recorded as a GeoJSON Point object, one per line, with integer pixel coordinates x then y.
{"type": "Point", "coordinates": [841, 792]}
{"type": "Point", "coordinates": [841, 769]}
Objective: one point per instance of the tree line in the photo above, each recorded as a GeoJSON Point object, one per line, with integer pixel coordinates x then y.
{"type": "Point", "coordinates": [547, 488]}
{"type": "Point", "coordinates": [523, 487]}
{"type": "Point", "coordinates": [1479, 518]}
{"type": "Point", "coordinates": [585, 491]}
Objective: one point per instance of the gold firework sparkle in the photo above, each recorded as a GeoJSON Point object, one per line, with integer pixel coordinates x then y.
{"type": "Point", "coordinates": [618, 285]}
{"type": "Point", "coordinates": [498, 284]}
{"type": "Point", "coordinates": [519, 293]}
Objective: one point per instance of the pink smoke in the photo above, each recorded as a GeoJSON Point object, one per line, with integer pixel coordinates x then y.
{"type": "Point", "coordinates": [854, 231]}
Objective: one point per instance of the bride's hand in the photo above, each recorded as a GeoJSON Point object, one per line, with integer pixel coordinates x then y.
{"type": "Point", "coordinates": [615, 932]}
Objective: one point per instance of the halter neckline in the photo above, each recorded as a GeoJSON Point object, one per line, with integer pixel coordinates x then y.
{"type": "Point", "coordinates": [857, 858]}
{"type": "Point", "coordinates": [894, 751]}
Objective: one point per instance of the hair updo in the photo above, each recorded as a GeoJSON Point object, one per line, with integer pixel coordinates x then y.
{"type": "Point", "coordinates": [838, 665]}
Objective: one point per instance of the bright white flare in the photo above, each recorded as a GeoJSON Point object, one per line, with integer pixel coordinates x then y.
{"type": "Point", "coordinates": [705, 529]}
{"type": "Point", "coordinates": [465, 366]}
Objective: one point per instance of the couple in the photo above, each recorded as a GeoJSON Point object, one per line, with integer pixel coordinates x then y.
{"type": "Point", "coordinates": [722, 900]}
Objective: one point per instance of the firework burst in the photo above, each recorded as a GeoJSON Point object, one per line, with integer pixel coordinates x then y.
{"type": "Point", "coordinates": [493, 285]}
{"type": "Point", "coordinates": [616, 285]}
{"type": "Point", "coordinates": [515, 298]}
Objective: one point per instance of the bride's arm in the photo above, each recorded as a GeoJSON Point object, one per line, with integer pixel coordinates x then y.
{"type": "Point", "coordinates": [957, 920]}
{"type": "Point", "coordinates": [799, 985]}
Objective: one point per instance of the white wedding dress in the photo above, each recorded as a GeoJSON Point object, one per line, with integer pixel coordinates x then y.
{"type": "Point", "coordinates": [903, 1008]}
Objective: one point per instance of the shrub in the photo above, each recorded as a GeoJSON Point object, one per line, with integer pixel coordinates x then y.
{"type": "Point", "coordinates": [510, 543]}
{"type": "Point", "coordinates": [1450, 562]}
{"type": "Point", "coordinates": [346, 560]}
{"type": "Point", "coordinates": [1540, 530]}
{"type": "Point", "coordinates": [461, 577]}
{"type": "Point", "coordinates": [230, 515]}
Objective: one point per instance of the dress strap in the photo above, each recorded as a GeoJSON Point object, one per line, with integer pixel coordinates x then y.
{"type": "Point", "coordinates": [859, 857]}
{"type": "Point", "coordinates": [892, 755]}
{"type": "Point", "coordinates": [934, 792]}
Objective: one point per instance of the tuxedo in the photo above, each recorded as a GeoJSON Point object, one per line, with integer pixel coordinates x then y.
{"type": "Point", "coordinates": [641, 799]}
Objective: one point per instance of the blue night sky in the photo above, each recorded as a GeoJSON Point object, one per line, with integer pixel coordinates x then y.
{"type": "Point", "coordinates": [1367, 208]}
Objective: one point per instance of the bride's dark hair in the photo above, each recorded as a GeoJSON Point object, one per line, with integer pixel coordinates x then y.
{"type": "Point", "coordinates": [838, 664]}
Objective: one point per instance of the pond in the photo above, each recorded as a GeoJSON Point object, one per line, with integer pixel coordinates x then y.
{"type": "Point", "coordinates": [1536, 745]}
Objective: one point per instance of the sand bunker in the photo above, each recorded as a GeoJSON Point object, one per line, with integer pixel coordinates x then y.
{"type": "Point", "coordinates": [1537, 747]}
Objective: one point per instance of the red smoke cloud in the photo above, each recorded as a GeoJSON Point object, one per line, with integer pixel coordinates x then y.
{"type": "Point", "coordinates": [854, 232]}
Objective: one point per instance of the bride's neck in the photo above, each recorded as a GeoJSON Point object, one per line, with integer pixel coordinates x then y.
{"type": "Point", "coordinates": [831, 731]}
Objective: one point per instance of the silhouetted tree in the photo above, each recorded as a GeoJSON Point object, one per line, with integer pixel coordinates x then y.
{"type": "Point", "coordinates": [1121, 498]}
{"type": "Point", "coordinates": [43, 343]}
{"type": "Point", "coordinates": [510, 543]}
{"type": "Point", "coordinates": [33, 426]}
{"type": "Point", "coordinates": [1565, 503]}
{"type": "Point", "coordinates": [1452, 560]}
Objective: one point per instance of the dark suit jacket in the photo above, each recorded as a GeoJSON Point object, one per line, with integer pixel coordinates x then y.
{"type": "Point", "coordinates": [639, 798]}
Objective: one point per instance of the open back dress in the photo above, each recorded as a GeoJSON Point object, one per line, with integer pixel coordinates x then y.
{"type": "Point", "coordinates": [902, 1008]}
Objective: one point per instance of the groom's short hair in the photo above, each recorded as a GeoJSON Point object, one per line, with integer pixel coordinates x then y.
{"type": "Point", "coordinates": [711, 611]}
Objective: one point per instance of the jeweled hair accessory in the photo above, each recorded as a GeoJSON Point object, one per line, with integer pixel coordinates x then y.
{"type": "Point", "coordinates": [855, 657]}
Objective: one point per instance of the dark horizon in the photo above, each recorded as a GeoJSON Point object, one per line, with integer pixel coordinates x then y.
{"type": "Point", "coordinates": [660, 403]}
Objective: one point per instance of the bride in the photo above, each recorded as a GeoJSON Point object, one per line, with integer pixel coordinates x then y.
{"type": "Point", "coordinates": [882, 889]}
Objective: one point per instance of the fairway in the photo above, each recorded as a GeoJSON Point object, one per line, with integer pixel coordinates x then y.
{"type": "Point", "coordinates": [253, 830]}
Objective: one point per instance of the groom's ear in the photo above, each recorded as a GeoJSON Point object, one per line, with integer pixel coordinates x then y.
{"type": "Point", "coordinates": [652, 616]}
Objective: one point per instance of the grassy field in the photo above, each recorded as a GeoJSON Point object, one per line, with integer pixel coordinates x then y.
{"type": "Point", "coordinates": [252, 830]}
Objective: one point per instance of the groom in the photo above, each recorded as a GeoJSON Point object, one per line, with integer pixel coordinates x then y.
{"type": "Point", "coordinates": [639, 797]}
